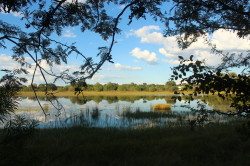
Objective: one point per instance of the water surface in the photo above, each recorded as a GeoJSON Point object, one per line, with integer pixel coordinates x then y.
{"type": "Point", "coordinates": [106, 111]}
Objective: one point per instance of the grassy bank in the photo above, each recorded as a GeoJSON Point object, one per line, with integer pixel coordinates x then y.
{"type": "Point", "coordinates": [216, 145]}
{"type": "Point", "coordinates": [102, 93]}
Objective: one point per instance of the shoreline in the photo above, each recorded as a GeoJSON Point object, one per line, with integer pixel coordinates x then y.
{"type": "Point", "coordinates": [102, 93]}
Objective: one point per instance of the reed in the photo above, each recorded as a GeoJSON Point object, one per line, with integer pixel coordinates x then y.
{"type": "Point", "coordinates": [138, 114]}
{"type": "Point", "coordinates": [158, 107]}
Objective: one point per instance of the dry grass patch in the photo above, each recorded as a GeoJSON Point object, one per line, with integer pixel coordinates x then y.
{"type": "Point", "coordinates": [161, 107]}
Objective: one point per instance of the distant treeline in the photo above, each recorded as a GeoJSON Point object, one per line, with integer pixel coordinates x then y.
{"type": "Point", "coordinates": [169, 86]}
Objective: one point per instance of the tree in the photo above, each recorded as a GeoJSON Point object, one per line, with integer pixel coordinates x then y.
{"type": "Point", "coordinates": [205, 80]}
{"type": "Point", "coordinates": [170, 83]}
{"type": "Point", "coordinates": [188, 20]}
{"type": "Point", "coordinates": [52, 87]}
{"type": "Point", "coordinates": [42, 87]}
{"type": "Point", "coordinates": [122, 87]}
{"type": "Point", "coordinates": [171, 86]}
{"type": "Point", "coordinates": [9, 86]}
{"type": "Point", "coordinates": [197, 18]}
{"type": "Point", "coordinates": [152, 88]}
{"type": "Point", "coordinates": [46, 18]}
{"type": "Point", "coordinates": [110, 87]}
{"type": "Point", "coordinates": [48, 87]}
{"type": "Point", "coordinates": [98, 87]}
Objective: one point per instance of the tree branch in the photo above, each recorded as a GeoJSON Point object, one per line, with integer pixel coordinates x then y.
{"type": "Point", "coordinates": [231, 8]}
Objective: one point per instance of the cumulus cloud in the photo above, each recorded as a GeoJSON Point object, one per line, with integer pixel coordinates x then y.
{"type": "Point", "coordinates": [146, 34]}
{"type": "Point", "coordinates": [171, 61]}
{"type": "Point", "coordinates": [224, 40]}
{"type": "Point", "coordinates": [150, 58]}
{"type": "Point", "coordinates": [56, 69]}
{"type": "Point", "coordinates": [69, 34]}
{"type": "Point", "coordinates": [15, 14]}
{"type": "Point", "coordinates": [166, 53]}
{"type": "Point", "coordinates": [122, 67]}
{"type": "Point", "coordinates": [8, 63]}
{"type": "Point", "coordinates": [70, 1]}
{"type": "Point", "coordinates": [227, 40]}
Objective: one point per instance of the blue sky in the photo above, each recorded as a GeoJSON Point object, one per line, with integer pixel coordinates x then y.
{"type": "Point", "coordinates": [141, 55]}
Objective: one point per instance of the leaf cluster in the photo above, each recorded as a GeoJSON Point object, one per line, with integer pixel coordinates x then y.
{"type": "Point", "coordinates": [20, 126]}
{"type": "Point", "coordinates": [9, 86]}
{"type": "Point", "coordinates": [205, 80]}
{"type": "Point", "coordinates": [193, 19]}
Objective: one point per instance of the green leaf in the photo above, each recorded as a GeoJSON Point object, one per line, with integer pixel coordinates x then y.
{"type": "Point", "coordinates": [180, 57]}
{"type": "Point", "coordinates": [191, 57]}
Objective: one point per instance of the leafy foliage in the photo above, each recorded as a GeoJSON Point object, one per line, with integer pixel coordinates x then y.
{"type": "Point", "coordinates": [207, 80]}
{"type": "Point", "coordinates": [197, 18]}
{"type": "Point", "coordinates": [9, 86]}
{"type": "Point", "coordinates": [8, 102]}
{"type": "Point", "coordinates": [187, 20]}
{"type": "Point", "coordinates": [20, 126]}
{"type": "Point", "coordinates": [193, 19]}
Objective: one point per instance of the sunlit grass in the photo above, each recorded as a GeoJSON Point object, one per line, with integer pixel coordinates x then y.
{"type": "Point", "coordinates": [162, 107]}
{"type": "Point", "coordinates": [28, 109]}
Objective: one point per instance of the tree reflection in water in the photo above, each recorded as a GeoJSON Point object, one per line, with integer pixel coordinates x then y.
{"type": "Point", "coordinates": [99, 110]}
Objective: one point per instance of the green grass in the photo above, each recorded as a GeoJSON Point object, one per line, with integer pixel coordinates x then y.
{"type": "Point", "coordinates": [216, 145]}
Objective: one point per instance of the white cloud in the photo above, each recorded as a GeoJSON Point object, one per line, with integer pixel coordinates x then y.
{"type": "Point", "coordinates": [227, 40]}
{"type": "Point", "coordinates": [224, 40]}
{"type": "Point", "coordinates": [70, 1]}
{"type": "Point", "coordinates": [135, 61]}
{"type": "Point", "coordinates": [121, 67]}
{"type": "Point", "coordinates": [166, 53]}
{"type": "Point", "coordinates": [147, 36]}
{"type": "Point", "coordinates": [121, 7]}
{"type": "Point", "coordinates": [171, 61]}
{"type": "Point", "coordinates": [15, 14]}
{"type": "Point", "coordinates": [8, 63]}
{"type": "Point", "coordinates": [56, 69]}
{"type": "Point", "coordinates": [69, 34]}
{"type": "Point", "coordinates": [145, 30]}
{"type": "Point", "coordinates": [145, 55]}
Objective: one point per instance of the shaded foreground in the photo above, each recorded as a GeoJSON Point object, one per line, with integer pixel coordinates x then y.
{"type": "Point", "coordinates": [219, 144]}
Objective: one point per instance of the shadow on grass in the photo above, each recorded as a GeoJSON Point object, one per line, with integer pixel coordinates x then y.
{"type": "Point", "coordinates": [218, 144]}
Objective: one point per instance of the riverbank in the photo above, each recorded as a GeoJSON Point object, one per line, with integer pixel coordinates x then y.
{"type": "Point", "coordinates": [101, 93]}
{"type": "Point", "coordinates": [216, 145]}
